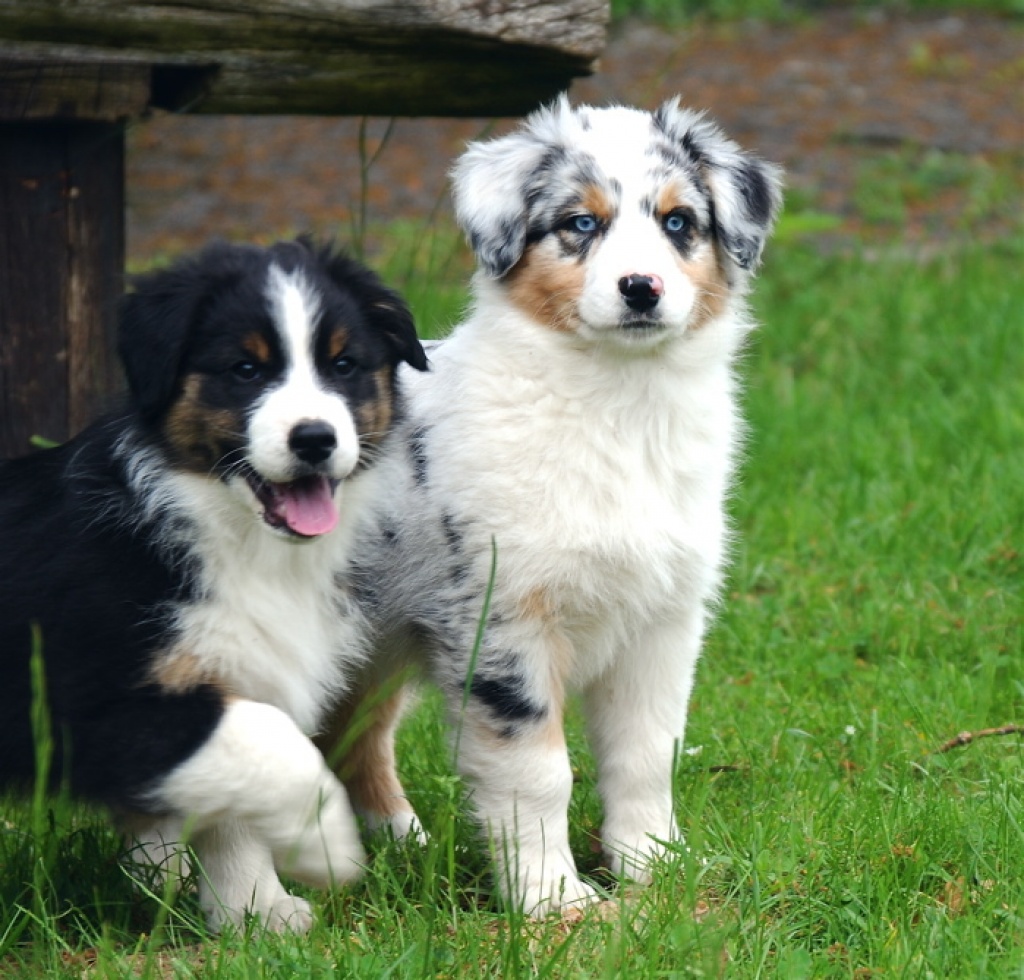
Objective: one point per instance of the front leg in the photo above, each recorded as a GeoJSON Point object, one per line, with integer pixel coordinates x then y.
{"type": "Point", "coordinates": [636, 714]}
{"type": "Point", "coordinates": [258, 769]}
{"type": "Point", "coordinates": [360, 745]}
{"type": "Point", "coordinates": [510, 747]}
{"type": "Point", "coordinates": [237, 878]}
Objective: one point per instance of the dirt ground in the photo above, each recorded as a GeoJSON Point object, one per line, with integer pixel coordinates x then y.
{"type": "Point", "coordinates": [909, 124]}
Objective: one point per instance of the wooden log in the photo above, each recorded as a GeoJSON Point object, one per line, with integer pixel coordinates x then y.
{"type": "Point", "coordinates": [61, 269]}
{"type": "Point", "coordinates": [31, 88]}
{"type": "Point", "coordinates": [332, 57]}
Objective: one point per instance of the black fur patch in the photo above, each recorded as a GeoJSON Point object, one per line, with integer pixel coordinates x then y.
{"type": "Point", "coordinates": [418, 454]}
{"type": "Point", "coordinates": [509, 246]}
{"type": "Point", "coordinates": [756, 192]}
{"type": "Point", "coordinates": [674, 156]}
{"type": "Point", "coordinates": [540, 180]}
{"type": "Point", "coordinates": [451, 533]}
{"type": "Point", "coordinates": [78, 563]}
{"type": "Point", "coordinates": [506, 697]}
{"type": "Point", "coordinates": [744, 250]}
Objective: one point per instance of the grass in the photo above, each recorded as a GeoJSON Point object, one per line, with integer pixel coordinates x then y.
{"type": "Point", "coordinates": [874, 611]}
{"type": "Point", "coordinates": [681, 11]}
{"type": "Point", "coordinates": [937, 189]}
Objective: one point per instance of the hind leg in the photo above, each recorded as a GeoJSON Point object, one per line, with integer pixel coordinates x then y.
{"type": "Point", "coordinates": [362, 735]}
{"type": "Point", "coordinates": [235, 870]}
{"type": "Point", "coordinates": [155, 849]}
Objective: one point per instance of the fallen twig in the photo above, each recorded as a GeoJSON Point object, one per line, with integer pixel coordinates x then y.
{"type": "Point", "coordinates": [965, 738]}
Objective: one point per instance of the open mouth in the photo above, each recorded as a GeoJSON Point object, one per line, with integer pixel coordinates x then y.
{"type": "Point", "coordinates": [303, 507]}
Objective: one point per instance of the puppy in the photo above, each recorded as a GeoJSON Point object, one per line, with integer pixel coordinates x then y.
{"type": "Point", "coordinates": [177, 564]}
{"type": "Point", "coordinates": [578, 431]}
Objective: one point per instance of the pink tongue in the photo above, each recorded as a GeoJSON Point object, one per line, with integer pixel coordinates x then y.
{"type": "Point", "coordinates": [308, 505]}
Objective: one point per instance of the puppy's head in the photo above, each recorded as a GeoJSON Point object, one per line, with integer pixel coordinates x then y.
{"type": "Point", "coordinates": [615, 223]}
{"type": "Point", "coordinates": [269, 369]}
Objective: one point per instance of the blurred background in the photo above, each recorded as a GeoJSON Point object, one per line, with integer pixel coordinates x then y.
{"type": "Point", "coordinates": [893, 121]}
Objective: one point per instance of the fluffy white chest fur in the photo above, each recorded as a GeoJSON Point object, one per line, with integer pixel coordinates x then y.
{"type": "Point", "coordinates": [599, 476]}
{"type": "Point", "coordinates": [272, 624]}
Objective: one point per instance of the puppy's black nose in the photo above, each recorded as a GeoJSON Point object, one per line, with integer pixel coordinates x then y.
{"type": "Point", "coordinates": [312, 441]}
{"type": "Point", "coordinates": [641, 293]}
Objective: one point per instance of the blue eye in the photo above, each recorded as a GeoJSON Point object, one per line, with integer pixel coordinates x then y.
{"type": "Point", "coordinates": [585, 224]}
{"type": "Point", "coordinates": [675, 223]}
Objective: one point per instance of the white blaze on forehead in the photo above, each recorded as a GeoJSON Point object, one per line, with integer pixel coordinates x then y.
{"type": "Point", "coordinates": [301, 394]}
{"type": "Point", "coordinates": [295, 307]}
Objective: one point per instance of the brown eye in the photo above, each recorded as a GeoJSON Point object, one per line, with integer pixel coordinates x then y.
{"type": "Point", "coordinates": [246, 371]}
{"type": "Point", "coordinates": [344, 367]}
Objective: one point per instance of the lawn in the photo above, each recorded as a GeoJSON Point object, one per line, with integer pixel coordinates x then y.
{"type": "Point", "coordinates": [874, 612]}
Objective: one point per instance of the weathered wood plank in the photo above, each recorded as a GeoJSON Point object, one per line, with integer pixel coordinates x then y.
{"type": "Point", "coordinates": [61, 268]}
{"type": "Point", "coordinates": [449, 57]}
{"type": "Point", "coordinates": [95, 277]}
{"type": "Point", "coordinates": [34, 89]}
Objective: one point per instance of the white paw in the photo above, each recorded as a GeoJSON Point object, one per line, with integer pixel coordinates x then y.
{"type": "Point", "coordinates": [289, 913]}
{"type": "Point", "coordinates": [633, 856]}
{"type": "Point", "coordinates": [548, 897]}
{"type": "Point", "coordinates": [540, 897]}
{"type": "Point", "coordinates": [270, 904]}
{"type": "Point", "coordinates": [404, 825]}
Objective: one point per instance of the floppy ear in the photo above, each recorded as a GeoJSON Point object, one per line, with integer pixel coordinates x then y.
{"type": "Point", "coordinates": [491, 188]}
{"type": "Point", "coordinates": [389, 311]}
{"type": "Point", "coordinates": [746, 192]}
{"type": "Point", "coordinates": [383, 307]}
{"type": "Point", "coordinates": [153, 330]}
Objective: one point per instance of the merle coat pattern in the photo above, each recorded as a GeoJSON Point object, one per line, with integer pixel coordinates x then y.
{"type": "Point", "coordinates": [578, 430]}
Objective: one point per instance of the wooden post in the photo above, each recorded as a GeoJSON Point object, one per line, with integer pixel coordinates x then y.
{"type": "Point", "coordinates": [61, 264]}
{"type": "Point", "coordinates": [62, 240]}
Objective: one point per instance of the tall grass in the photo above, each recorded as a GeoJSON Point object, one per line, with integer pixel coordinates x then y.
{"type": "Point", "coordinates": [874, 612]}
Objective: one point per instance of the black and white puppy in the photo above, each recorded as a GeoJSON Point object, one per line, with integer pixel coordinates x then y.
{"type": "Point", "coordinates": [178, 561]}
{"type": "Point", "coordinates": [583, 422]}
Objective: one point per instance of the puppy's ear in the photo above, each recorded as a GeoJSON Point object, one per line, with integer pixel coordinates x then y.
{"type": "Point", "coordinates": [389, 311]}
{"type": "Point", "coordinates": [153, 330]}
{"type": "Point", "coordinates": [491, 187]}
{"type": "Point", "coordinates": [383, 307]}
{"type": "Point", "coordinates": [746, 192]}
